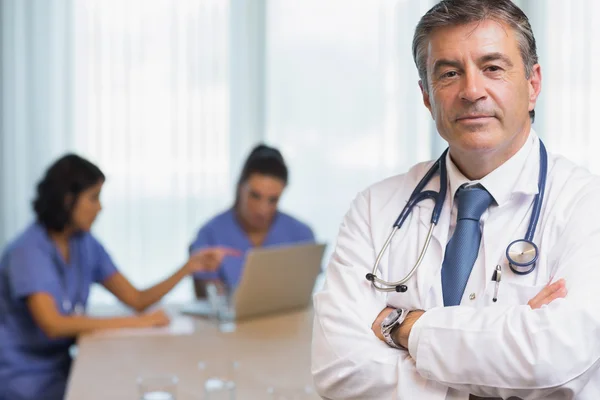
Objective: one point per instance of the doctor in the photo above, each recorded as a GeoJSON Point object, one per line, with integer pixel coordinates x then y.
{"type": "Point", "coordinates": [439, 335]}
{"type": "Point", "coordinates": [45, 279]}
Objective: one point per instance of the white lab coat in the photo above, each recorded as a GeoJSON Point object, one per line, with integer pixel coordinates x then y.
{"type": "Point", "coordinates": [500, 349]}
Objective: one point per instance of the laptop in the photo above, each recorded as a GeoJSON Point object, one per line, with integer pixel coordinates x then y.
{"type": "Point", "coordinates": [274, 279]}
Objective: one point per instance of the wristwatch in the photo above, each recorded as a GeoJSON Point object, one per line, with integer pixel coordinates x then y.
{"type": "Point", "coordinates": [389, 325]}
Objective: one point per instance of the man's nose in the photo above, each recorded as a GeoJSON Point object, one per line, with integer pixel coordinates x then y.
{"type": "Point", "coordinates": [473, 86]}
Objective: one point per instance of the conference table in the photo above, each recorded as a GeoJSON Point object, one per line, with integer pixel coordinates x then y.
{"type": "Point", "coordinates": [271, 351]}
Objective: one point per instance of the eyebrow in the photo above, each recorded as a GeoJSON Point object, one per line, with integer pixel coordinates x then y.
{"type": "Point", "coordinates": [443, 62]}
{"type": "Point", "coordinates": [495, 57]}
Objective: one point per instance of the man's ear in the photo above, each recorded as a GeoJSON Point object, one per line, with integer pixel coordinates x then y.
{"type": "Point", "coordinates": [535, 85]}
{"type": "Point", "coordinates": [426, 100]}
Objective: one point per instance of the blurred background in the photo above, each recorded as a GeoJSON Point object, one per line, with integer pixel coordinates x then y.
{"type": "Point", "coordinates": [167, 97]}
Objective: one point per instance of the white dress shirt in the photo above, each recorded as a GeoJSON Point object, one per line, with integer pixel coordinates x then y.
{"type": "Point", "coordinates": [489, 349]}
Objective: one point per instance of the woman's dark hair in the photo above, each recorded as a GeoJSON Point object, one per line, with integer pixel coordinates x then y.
{"type": "Point", "coordinates": [262, 160]}
{"type": "Point", "coordinates": [68, 176]}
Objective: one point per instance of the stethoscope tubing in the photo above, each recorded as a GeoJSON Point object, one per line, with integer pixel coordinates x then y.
{"type": "Point", "coordinates": [439, 198]}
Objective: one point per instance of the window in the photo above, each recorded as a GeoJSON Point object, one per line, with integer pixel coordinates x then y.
{"type": "Point", "coordinates": [151, 107]}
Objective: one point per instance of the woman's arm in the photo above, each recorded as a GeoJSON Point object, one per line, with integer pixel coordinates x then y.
{"type": "Point", "coordinates": [55, 325]}
{"type": "Point", "coordinates": [139, 300]}
{"type": "Point", "coordinates": [207, 259]}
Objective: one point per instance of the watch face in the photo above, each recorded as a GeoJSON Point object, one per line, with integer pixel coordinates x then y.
{"type": "Point", "coordinates": [391, 318]}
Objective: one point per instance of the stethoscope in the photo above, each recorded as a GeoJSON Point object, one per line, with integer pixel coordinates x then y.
{"type": "Point", "coordinates": [522, 254]}
{"type": "Point", "coordinates": [69, 307]}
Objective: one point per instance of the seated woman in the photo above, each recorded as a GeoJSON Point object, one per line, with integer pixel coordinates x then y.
{"type": "Point", "coordinates": [45, 279]}
{"type": "Point", "coordinates": [252, 221]}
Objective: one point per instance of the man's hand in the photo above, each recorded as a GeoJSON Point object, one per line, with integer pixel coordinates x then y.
{"type": "Point", "coordinates": [547, 295]}
{"type": "Point", "coordinates": [401, 334]}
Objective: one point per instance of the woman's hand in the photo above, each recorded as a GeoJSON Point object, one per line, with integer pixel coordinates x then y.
{"type": "Point", "coordinates": [209, 259]}
{"type": "Point", "coordinates": [155, 318]}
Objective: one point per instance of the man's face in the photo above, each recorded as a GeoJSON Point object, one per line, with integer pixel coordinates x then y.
{"type": "Point", "coordinates": [478, 93]}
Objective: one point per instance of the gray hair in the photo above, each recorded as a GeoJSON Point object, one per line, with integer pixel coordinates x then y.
{"type": "Point", "coordinates": [460, 12]}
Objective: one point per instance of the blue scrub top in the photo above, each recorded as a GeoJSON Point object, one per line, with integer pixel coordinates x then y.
{"type": "Point", "coordinates": [33, 366]}
{"type": "Point", "coordinates": [225, 230]}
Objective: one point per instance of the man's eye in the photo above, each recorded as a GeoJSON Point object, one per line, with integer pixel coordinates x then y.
{"type": "Point", "coordinates": [449, 74]}
{"type": "Point", "coordinates": [493, 68]}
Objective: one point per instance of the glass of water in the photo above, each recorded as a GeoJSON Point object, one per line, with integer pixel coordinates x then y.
{"type": "Point", "coordinates": [158, 387]}
{"type": "Point", "coordinates": [221, 303]}
{"type": "Point", "coordinates": [218, 379]}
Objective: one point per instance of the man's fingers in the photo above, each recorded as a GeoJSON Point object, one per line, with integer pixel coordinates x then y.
{"type": "Point", "coordinates": [548, 294]}
{"type": "Point", "coordinates": [559, 294]}
{"type": "Point", "coordinates": [548, 290]}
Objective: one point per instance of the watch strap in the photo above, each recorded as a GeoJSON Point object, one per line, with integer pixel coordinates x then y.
{"type": "Point", "coordinates": [388, 332]}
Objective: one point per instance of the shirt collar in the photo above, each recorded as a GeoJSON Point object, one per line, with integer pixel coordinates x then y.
{"type": "Point", "coordinates": [516, 175]}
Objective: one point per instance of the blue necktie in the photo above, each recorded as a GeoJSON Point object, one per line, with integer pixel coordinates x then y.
{"type": "Point", "coordinates": [463, 247]}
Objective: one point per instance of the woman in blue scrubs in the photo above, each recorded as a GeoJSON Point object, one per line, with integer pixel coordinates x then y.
{"type": "Point", "coordinates": [252, 221]}
{"type": "Point", "coordinates": [45, 278]}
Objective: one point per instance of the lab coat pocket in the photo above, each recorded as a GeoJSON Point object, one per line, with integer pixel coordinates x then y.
{"type": "Point", "coordinates": [511, 294]}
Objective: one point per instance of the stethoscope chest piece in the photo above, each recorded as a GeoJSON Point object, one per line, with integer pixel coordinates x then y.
{"type": "Point", "coordinates": [522, 255]}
